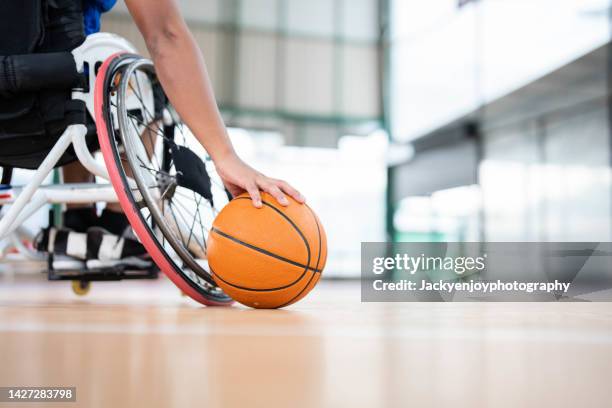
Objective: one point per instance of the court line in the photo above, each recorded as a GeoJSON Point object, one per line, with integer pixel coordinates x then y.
{"type": "Point", "coordinates": [479, 334]}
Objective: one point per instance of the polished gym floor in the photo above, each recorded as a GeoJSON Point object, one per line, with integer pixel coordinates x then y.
{"type": "Point", "coordinates": [141, 344]}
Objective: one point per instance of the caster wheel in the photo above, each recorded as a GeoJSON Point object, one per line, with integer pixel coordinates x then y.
{"type": "Point", "coordinates": [81, 288]}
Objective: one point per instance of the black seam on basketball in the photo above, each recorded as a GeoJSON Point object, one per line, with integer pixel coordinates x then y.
{"type": "Point", "coordinates": [297, 229]}
{"type": "Point", "coordinates": [306, 267]}
{"type": "Point", "coordinates": [261, 250]}
{"type": "Point", "coordinates": [255, 289]}
{"type": "Point", "coordinates": [317, 266]}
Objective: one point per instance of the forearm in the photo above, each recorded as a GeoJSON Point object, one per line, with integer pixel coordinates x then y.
{"type": "Point", "coordinates": [182, 72]}
{"type": "Point", "coordinates": [181, 69]}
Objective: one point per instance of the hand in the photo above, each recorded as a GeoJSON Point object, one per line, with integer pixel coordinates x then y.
{"type": "Point", "coordinates": [239, 177]}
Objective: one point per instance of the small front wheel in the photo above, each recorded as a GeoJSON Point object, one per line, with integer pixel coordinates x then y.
{"type": "Point", "coordinates": [81, 288]}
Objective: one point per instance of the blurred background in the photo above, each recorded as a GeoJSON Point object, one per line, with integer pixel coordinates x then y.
{"type": "Point", "coordinates": [439, 120]}
{"type": "Point", "coordinates": [419, 120]}
{"type": "Point", "coordinates": [300, 84]}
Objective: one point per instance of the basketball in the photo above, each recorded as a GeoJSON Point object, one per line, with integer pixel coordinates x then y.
{"type": "Point", "coordinates": [268, 257]}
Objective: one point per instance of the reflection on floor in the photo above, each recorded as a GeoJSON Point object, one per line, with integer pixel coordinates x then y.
{"type": "Point", "coordinates": [132, 344]}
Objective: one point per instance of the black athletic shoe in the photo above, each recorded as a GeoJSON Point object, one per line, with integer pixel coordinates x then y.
{"type": "Point", "coordinates": [98, 247]}
{"type": "Point", "coordinates": [80, 219]}
{"type": "Point", "coordinates": [114, 222]}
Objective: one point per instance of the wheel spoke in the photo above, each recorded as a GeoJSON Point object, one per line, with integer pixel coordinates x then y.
{"type": "Point", "coordinates": [201, 226]}
{"type": "Point", "coordinates": [191, 231]}
{"type": "Point", "coordinates": [144, 166]}
{"type": "Point", "coordinates": [138, 95]}
{"type": "Point", "coordinates": [178, 227]}
{"type": "Point", "coordinates": [205, 231]}
{"type": "Point", "coordinates": [149, 154]}
{"type": "Point", "coordinates": [187, 225]}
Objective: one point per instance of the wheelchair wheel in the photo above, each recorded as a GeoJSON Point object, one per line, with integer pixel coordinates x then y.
{"type": "Point", "coordinates": [164, 180]}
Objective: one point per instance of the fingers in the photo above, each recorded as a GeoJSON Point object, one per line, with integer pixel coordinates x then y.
{"type": "Point", "coordinates": [287, 188]}
{"type": "Point", "coordinates": [253, 191]}
{"type": "Point", "coordinates": [271, 188]}
{"type": "Point", "coordinates": [278, 188]}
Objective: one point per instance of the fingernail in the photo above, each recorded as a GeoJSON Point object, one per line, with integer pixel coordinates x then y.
{"type": "Point", "coordinates": [258, 204]}
{"type": "Point", "coordinates": [284, 201]}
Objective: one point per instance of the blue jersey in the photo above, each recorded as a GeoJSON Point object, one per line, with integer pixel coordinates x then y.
{"type": "Point", "coordinates": [92, 10]}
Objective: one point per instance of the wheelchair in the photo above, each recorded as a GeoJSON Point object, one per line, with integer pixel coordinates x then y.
{"type": "Point", "coordinates": [152, 165]}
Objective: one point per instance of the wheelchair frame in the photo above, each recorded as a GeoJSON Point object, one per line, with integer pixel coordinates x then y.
{"type": "Point", "coordinates": [100, 52]}
{"type": "Point", "coordinates": [26, 200]}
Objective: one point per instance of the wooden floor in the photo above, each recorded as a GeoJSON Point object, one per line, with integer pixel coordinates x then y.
{"type": "Point", "coordinates": [135, 344]}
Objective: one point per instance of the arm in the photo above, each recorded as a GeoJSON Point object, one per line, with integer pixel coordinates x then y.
{"type": "Point", "coordinates": [181, 69]}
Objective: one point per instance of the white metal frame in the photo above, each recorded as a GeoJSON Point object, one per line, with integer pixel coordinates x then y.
{"type": "Point", "coordinates": [26, 200]}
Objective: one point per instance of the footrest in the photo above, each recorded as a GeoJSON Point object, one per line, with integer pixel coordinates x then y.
{"type": "Point", "coordinates": [66, 268]}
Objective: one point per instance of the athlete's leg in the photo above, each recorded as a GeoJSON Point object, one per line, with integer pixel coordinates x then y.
{"type": "Point", "coordinates": [78, 217]}
{"type": "Point", "coordinates": [76, 173]}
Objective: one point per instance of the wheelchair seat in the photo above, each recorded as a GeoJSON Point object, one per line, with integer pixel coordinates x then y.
{"type": "Point", "coordinates": [37, 76]}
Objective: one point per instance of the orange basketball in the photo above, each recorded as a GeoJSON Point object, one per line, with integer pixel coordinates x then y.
{"type": "Point", "coordinates": [266, 257]}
